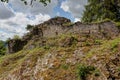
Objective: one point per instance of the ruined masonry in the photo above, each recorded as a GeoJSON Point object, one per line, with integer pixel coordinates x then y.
{"type": "Point", "coordinates": [60, 25]}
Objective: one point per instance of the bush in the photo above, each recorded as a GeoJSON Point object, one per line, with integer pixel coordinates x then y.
{"type": "Point", "coordinates": [83, 70]}
{"type": "Point", "coordinates": [2, 48]}
{"type": "Point", "coordinates": [16, 37]}
{"type": "Point", "coordinates": [29, 27]}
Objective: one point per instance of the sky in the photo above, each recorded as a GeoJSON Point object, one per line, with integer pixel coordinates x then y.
{"type": "Point", "coordinates": [15, 15]}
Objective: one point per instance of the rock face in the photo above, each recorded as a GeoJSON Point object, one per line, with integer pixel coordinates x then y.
{"type": "Point", "coordinates": [15, 45]}
{"type": "Point", "coordinates": [60, 25]}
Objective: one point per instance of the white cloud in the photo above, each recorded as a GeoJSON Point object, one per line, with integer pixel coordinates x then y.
{"type": "Point", "coordinates": [65, 7]}
{"type": "Point", "coordinates": [77, 19]}
{"type": "Point", "coordinates": [35, 9]}
{"type": "Point", "coordinates": [75, 7]}
{"type": "Point", "coordinates": [5, 12]}
{"type": "Point", "coordinates": [17, 24]}
{"type": "Point", "coordinates": [16, 15]}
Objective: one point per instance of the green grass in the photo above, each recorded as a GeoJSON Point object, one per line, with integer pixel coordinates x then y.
{"type": "Point", "coordinates": [68, 24]}
{"type": "Point", "coordinates": [13, 61]}
{"type": "Point", "coordinates": [105, 20]}
{"type": "Point", "coordinates": [65, 66]}
{"type": "Point", "coordinates": [107, 46]}
{"type": "Point", "coordinates": [119, 69]}
{"type": "Point", "coordinates": [117, 24]}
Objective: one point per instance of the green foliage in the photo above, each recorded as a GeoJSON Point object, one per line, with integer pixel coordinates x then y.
{"type": "Point", "coordinates": [117, 24]}
{"type": "Point", "coordinates": [65, 66]}
{"type": "Point", "coordinates": [8, 39]}
{"type": "Point", "coordinates": [119, 69]}
{"type": "Point", "coordinates": [4, 1]}
{"type": "Point", "coordinates": [87, 43]}
{"type": "Point", "coordinates": [96, 73]}
{"type": "Point", "coordinates": [114, 45]}
{"type": "Point", "coordinates": [46, 47]}
{"type": "Point", "coordinates": [98, 10]}
{"type": "Point", "coordinates": [45, 2]}
{"type": "Point", "coordinates": [68, 24]}
{"type": "Point", "coordinates": [83, 70]}
{"type": "Point", "coordinates": [16, 37]}
{"type": "Point", "coordinates": [29, 27]}
{"type": "Point", "coordinates": [2, 48]}
{"type": "Point", "coordinates": [104, 20]}
{"type": "Point", "coordinates": [98, 42]}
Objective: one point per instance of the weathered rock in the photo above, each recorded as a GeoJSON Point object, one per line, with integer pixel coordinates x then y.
{"type": "Point", "coordinates": [54, 27]}
{"type": "Point", "coordinates": [68, 41]}
{"type": "Point", "coordinates": [15, 45]}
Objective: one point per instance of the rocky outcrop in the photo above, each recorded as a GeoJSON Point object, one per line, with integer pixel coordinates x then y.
{"type": "Point", "coordinates": [15, 45]}
{"type": "Point", "coordinates": [60, 25]}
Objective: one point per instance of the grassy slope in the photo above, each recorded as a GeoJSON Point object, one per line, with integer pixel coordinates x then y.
{"type": "Point", "coordinates": [57, 62]}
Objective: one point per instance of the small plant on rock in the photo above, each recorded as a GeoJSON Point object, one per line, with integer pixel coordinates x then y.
{"type": "Point", "coordinates": [84, 70]}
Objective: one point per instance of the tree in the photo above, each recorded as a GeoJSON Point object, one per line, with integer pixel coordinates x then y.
{"type": "Point", "coordinates": [98, 10]}
{"type": "Point", "coordinates": [45, 2]}
{"type": "Point", "coordinates": [2, 48]}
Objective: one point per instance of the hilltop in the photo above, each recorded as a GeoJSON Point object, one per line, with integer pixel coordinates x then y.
{"type": "Point", "coordinates": [61, 50]}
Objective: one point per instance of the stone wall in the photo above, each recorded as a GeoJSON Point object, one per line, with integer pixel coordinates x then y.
{"type": "Point", "coordinates": [100, 30]}
{"type": "Point", "coordinates": [56, 26]}
{"type": "Point", "coordinates": [15, 45]}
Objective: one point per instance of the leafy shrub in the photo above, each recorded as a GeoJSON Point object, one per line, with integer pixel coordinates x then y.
{"type": "Point", "coordinates": [83, 70]}
{"type": "Point", "coordinates": [16, 37]}
{"type": "Point", "coordinates": [2, 48]}
{"type": "Point", "coordinates": [29, 27]}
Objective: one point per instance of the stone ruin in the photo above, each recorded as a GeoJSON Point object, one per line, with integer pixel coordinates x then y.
{"type": "Point", "coordinates": [15, 45]}
{"type": "Point", "coordinates": [60, 25]}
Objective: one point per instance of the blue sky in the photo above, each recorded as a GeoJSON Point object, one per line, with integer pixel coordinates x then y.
{"type": "Point", "coordinates": [14, 16]}
{"type": "Point", "coordinates": [60, 12]}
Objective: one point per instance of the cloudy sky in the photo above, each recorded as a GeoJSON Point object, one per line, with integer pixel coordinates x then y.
{"type": "Point", "coordinates": [14, 16]}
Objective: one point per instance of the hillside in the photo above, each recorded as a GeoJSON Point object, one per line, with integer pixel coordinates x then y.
{"type": "Point", "coordinates": [60, 50]}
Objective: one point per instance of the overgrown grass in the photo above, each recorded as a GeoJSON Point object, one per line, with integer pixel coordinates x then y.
{"type": "Point", "coordinates": [68, 24]}
{"type": "Point", "coordinates": [12, 61]}
{"type": "Point", "coordinates": [65, 66]}
{"type": "Point", "coordinates": [107, 46]}
{"type": "Point", "coordinates": [117, 24]}
{"type": "Point", "coordinates": [105, 20]}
